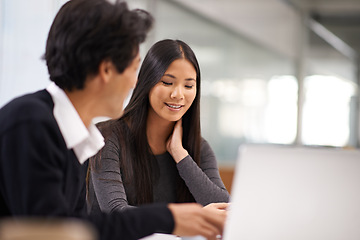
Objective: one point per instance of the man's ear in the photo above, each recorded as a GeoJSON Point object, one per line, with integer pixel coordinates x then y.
{"type": "Point", "coordinates": [106, 70]}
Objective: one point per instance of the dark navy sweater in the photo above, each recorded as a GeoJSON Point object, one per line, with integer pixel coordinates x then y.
{"type": "Point", "coordinates": [39, 176]}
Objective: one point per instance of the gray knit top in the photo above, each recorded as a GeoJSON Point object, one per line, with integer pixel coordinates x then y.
{"type": "Point", "coordinates": [107, 192]}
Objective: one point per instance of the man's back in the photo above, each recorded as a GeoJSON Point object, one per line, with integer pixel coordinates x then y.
{"type": "Point", "coordinates": [39, 153]}
{"type": "Point", "coordinates": [40, 176]}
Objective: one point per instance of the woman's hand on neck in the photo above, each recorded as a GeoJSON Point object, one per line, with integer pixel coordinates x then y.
{"type": "Point", "coordinates": [174, 143]}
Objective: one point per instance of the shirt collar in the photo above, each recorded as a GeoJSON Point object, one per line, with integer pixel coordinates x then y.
{"type": "Point", "coordinates": [85, 142]}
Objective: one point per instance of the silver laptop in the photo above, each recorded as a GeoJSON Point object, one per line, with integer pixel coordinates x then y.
{"type": "Point", "coordinates": [295, 193]}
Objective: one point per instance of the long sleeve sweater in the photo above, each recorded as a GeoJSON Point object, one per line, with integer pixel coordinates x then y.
{"type": "Point", "coordinates": [39, 176]}
{"type": "Point", "coordinates": [108, 192]}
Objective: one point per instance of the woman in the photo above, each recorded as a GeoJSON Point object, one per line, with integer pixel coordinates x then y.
{"type": "Point", "coordinates": [155, 152]}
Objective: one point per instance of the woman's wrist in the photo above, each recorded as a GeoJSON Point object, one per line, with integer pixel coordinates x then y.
{"type": "Point", "coordinates": [179, 155]}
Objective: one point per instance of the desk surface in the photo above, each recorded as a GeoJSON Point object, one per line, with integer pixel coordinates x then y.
{"type": "Point", "coordinates": [158, 236]}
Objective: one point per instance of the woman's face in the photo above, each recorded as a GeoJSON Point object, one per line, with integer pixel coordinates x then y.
{"type": "Point", "coordinates": [173, 95]}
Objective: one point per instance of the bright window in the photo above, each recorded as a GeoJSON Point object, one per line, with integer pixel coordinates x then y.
{"type": "Point", "coordinates": [326, 114]}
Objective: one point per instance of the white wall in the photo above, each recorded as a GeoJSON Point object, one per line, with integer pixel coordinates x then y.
{"type": "Point", "coordinates": [23, 33]}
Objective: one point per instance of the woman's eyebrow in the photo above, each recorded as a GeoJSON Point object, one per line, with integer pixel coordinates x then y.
{"type": "Point", "coordinates": [172, 76]}
{"type": "Point", "coordinates": [169, 75]}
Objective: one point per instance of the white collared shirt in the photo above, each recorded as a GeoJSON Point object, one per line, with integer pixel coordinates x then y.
{"type": "Point", "coordinates": [85, 142]}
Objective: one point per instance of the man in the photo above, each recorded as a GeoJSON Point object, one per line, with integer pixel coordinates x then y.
{"type": "Point", "coordinates": [92, 54]}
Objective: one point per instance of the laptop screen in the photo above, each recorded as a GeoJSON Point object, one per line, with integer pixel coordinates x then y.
{"type": "Point", "coordinates": [295, 193]}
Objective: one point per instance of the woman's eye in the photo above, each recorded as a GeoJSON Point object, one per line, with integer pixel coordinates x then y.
{"type": "Point", "coordinates": [189, 86]}
{"type": "Point", "coordinates": [166, 83]}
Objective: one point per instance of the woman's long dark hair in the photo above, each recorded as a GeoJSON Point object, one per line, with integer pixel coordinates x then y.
{"type": "Point", "coordinates": [136, 155]}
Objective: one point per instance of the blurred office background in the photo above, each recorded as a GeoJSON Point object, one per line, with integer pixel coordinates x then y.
{"type": "Point", "coordinates": [273, 71]}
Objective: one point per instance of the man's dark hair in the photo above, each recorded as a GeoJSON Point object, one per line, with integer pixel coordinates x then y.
{"type": "Point", "coordinates": [86, 32]}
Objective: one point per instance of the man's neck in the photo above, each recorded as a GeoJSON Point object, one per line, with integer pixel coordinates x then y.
{"type": "Point", "coordinates": [83, 105]}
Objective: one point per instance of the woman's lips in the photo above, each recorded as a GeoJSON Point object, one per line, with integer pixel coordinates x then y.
{"type": "Point", "coordinates": [175, 107]}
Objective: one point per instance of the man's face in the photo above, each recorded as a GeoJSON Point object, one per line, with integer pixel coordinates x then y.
{"type": "Point", "coordinates": [120, 87]}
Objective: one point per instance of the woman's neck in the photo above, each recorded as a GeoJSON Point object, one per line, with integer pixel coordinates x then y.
{"type": "Point", "coordinates": [158, 131]}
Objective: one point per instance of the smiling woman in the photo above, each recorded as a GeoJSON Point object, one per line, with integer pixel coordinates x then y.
{"type": "Point", "coordinates": [155, 152]}
{"type": "Point", "coordinates": [173, 95]}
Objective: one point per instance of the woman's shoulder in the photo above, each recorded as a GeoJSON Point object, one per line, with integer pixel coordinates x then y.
{"type": "Point", "coordinates": [113, 129]}
{"type": "Point", "coordinates": [206, 149]}
{"type": "Point", "coordinates": [204, 143]}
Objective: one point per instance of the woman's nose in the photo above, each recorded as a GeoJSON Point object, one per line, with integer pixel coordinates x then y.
{"type": "Point", "coordinates": [177, 93]}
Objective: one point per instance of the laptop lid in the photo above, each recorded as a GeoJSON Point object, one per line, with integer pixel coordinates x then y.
{"type": "Point", "coordinates": [295, 193]}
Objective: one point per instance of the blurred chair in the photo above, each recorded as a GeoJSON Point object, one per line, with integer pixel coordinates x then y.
{"type": "Point", "coordinates": [45, 229]}
{"type": "Point", "coordinates": [227, 175]}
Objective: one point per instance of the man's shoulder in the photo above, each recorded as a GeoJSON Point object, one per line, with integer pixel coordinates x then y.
{"type": "Point", "coordinates": [36, 106]}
